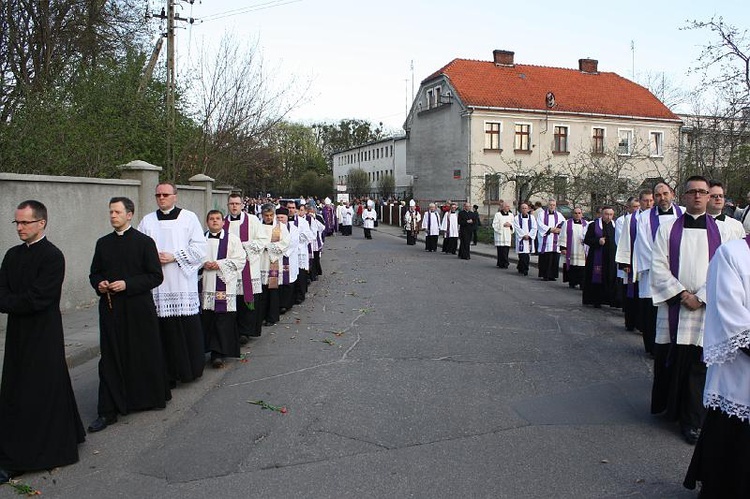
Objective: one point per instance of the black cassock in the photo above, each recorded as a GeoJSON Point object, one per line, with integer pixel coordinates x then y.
{"type": "Point", "coordinates": [40, 427]}
{"type": "Point", "coordinates": [466, 232]}
{"type": "Point", "coordinates": [606, 291]}
{"type": "Point", "coordinates": [132, 373]}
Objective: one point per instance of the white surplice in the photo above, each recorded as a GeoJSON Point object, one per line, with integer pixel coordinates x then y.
{"type": "Point", "coordinates": [304, 246]}
{"type": "Point", "coordinates": [230, 271]}
{"type": "Point", "coordinates": [503, 235]}
{"type": "Point", "coordinates": [543, 228]}
{"type": "Point", "coordinates": [691, 278]}
{"type": "Point", "coordinates": [524, 226]}
{"type": "Point", "coordinates": [272, 251]}
{"type": "Point", "coordinates": [727, 329]}
{"type": "Point", "coordinates": [293, 254]}
{"type": "Point", "coordinates": [644, 245]}
{"type": "Point", "coordinates": [575, 249]}
{"type": "Point", "coordinates": [183, 237]}
{"type": "Point", "coordinates": [253, 247]}
{"type": "Point", "coordinates": [449, 225]}
{"type": "Point", "coordinates": [431, 223]}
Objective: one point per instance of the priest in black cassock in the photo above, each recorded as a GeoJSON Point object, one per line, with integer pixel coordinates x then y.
{"type": "Point", "coordinates": [600, 276]}
{"type": "Point", "coordinates": [467, 221]}
{"type": "Point", "coordinates": [124, 270]}
{"type": "Point", "coordinates": [40, 427]}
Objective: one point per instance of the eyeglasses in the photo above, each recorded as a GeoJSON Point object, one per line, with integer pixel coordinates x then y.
{"type": "Point", "coordinates": [696, 192]}
{"type": "Point", "coordinates": [717, 196]}
{"type": "Point", "coordinates": [162, 195]}
{"type": "Point", "coordinates": [24, 223]}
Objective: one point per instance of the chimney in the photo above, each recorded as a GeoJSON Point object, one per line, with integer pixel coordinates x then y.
{"type": "Point", "coordinates": [503, 57]}
{"type": "Point", "coordinates": [588, 66]}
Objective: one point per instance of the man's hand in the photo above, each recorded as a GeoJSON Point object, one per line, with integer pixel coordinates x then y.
{"type": "Point", "coordinates": [103, 287]}
{"type": "Point", "coordinates": [211, 266]}
{"type": "Point", "coordinates": [165, 257]}
{"type": "Point", "coordinates": [116, 287]}
{"type": "Point", "coordinates": [602, 241]}
{"type": "Point", "coordinates": [690, 301]}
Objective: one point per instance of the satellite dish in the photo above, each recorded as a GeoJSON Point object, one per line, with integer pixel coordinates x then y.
{"type": "Point", "coordinates": [550, 100]}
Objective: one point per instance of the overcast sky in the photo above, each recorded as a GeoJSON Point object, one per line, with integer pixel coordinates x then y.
{"type": "Point", "coordinates": [357, 55]}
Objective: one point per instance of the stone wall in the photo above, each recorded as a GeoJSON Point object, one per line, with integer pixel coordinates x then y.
{"type": "Point", "coordinates": [78, 214]}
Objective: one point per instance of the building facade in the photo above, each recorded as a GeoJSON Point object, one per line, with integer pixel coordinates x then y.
{"type": "Point", "coordinates": [479, 130]}
{"type": "Point", "coordinates": [378, 159]}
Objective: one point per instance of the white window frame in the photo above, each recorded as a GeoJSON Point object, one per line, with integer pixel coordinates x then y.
{"type": "Point", "coordinates": [487, 135]}
{"type": "Point", "coordinates": [631, 136]}
{"type": "Point", "coordinates": [515, 135]}
{"type": "Point", "coordinates": [656, 149]}
{"type": "Point", "coordinates": [567, 137]}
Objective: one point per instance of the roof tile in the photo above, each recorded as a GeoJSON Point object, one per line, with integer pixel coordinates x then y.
{"type": "Point", "coordinates": [523, 86]}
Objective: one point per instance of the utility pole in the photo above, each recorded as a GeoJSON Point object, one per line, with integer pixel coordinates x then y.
{"type": "Point", "coordinates": [170, 17]}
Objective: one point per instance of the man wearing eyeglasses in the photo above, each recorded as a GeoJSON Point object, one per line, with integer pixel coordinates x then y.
{"type": "Point", "coordinates": [182, 249]}
{"type": "Point", "coordinates": [716, 209]}
{"type": "Point", "coordinates": [679, 265]}
{"type": "Point", "coordinates": [40, 427]}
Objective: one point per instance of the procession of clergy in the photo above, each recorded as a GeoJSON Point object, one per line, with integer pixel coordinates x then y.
{"type": "Point", "coordinates": [653, 262]}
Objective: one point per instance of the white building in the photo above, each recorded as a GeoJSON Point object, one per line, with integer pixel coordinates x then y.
{"type": "Point", "coordinates": [379, 158]}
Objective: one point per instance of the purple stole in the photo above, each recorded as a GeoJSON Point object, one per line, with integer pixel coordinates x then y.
{"type": "Point", "coordinates": [569, 235]}
{"type": "Point", "coordinates": [247, 281]}
{"type": "Point", "coordinates": [633, 235]}
{"type": "Point", "coordinates": [521, 242]}
{"type": "Point", "coordinates": [220, 299]}
{"type": "Point", "coordinates": [675, 238]}
{"type": "Point", "coordinates": [654, 217]}
{"type": "Point", "coordinates": [429, 223]}
{"type": "Point", "coordinates": [596, 271]}
{"type": "Point", "coordinates": [544, 239]}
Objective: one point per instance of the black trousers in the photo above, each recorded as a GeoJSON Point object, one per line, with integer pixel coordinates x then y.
{"type": "Point", "coordinates": [450, 244]}
{"type": "Point", "coordinates": [286, 296]}
{"type": "Point", "coordinates": [431, 243]}
{"type": "Point", "coordinates": [502, 257]}
{"type": "Point", "coordinates": [679, 379]}
{"type": "Point", "coordinates": [630, 307]}
{"type": "Point", "coordinates": [247, 319]}
{"type": "Point", "coordinates": [368, 233]}
{"type": "Point", "coordinates": [464, 248]}
{"type": "Point", "coordinates": [647, 322]}
{"type": "Point", "coordinates": [346, 230]}
{"type": "Point", "coordinates": [411, 238]}
{"type": "Point", "coordinates": [300, 287]}
{"type": "Point", "coordinates": [523, 263]}
{"type": "Point", "coordinates": [272, 305]}
{"type": "Point", "coordinates": [549, 265]}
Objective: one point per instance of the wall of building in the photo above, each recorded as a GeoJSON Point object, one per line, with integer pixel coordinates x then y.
{"type": "Point", "coordinates": [580, 145]}
{"type": "Point", "coordinates": [78, 216]}
{"type": "Point", "coordinates": [373, 159]}
{"type": "Point", "coordinates": [437, 148]}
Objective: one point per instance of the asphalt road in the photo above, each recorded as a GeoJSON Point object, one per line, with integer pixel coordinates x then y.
{"type": "Point", "coordinates": [405, 374]}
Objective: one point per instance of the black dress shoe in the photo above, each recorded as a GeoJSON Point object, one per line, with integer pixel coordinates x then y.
{"type": "Point", "coordinates": [5, 476]}
{"type": "Point", "coordinates": [244, 339]}
{"type": "Point", "coordinates": [691, 434]}
{"type": "Point", "coordinates": [101, 422]}
{"type": "Point", "coordinates": [217, 363]}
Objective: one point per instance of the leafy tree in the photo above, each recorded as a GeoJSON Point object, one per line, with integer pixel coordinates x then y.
{"type": "Point", "coordinates": [386, 185]}
{"type": "Point", "coordinates": [345, 134]}
{"type": "Point", "coordinates": [313, 184]}
{"type": "Point", "coordinates": [358, 183]}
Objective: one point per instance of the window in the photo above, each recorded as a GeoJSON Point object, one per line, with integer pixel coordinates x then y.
{"type": "Point", "coordinates": [656, 143]}
{"type": "Point", "coordinates": [561, 139]}
{"type": "Point", "coordinates": [437, 95]}
{"type": "Point", "coordinates": [624, 142]}
{"type": "Point", "coordinates": [561, 188]}
{"type": "Point", "coordinates": [492, 136]}
{"type": "Point", "coordinates": [430, 99]}
{"type": "Point", "coordinates": [598, 141]}
{"type": "Point", "coordinates": [491, 187]}
{"type": "Point", "coordinates": [522, 140]}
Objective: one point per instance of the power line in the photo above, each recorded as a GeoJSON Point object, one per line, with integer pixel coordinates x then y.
{"type": "Point", "coordinates": [244, 10]}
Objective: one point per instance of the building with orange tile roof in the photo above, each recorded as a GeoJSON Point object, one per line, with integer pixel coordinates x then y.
{"type": "Point", "coordinates": [474, 123]}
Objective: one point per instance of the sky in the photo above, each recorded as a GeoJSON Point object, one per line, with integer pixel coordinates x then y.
{"type": "Point", "coordinates": [355, 59]}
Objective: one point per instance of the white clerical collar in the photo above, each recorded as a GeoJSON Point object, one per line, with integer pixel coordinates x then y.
{"type": "Point", "coordinates": [695, 217]}
{"type": "Point", "coordinates": [121, 232]}
{"type": "Point", "coordinates": [32, 243]}
{"type": "Point", "coordinates": [167, 212]}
